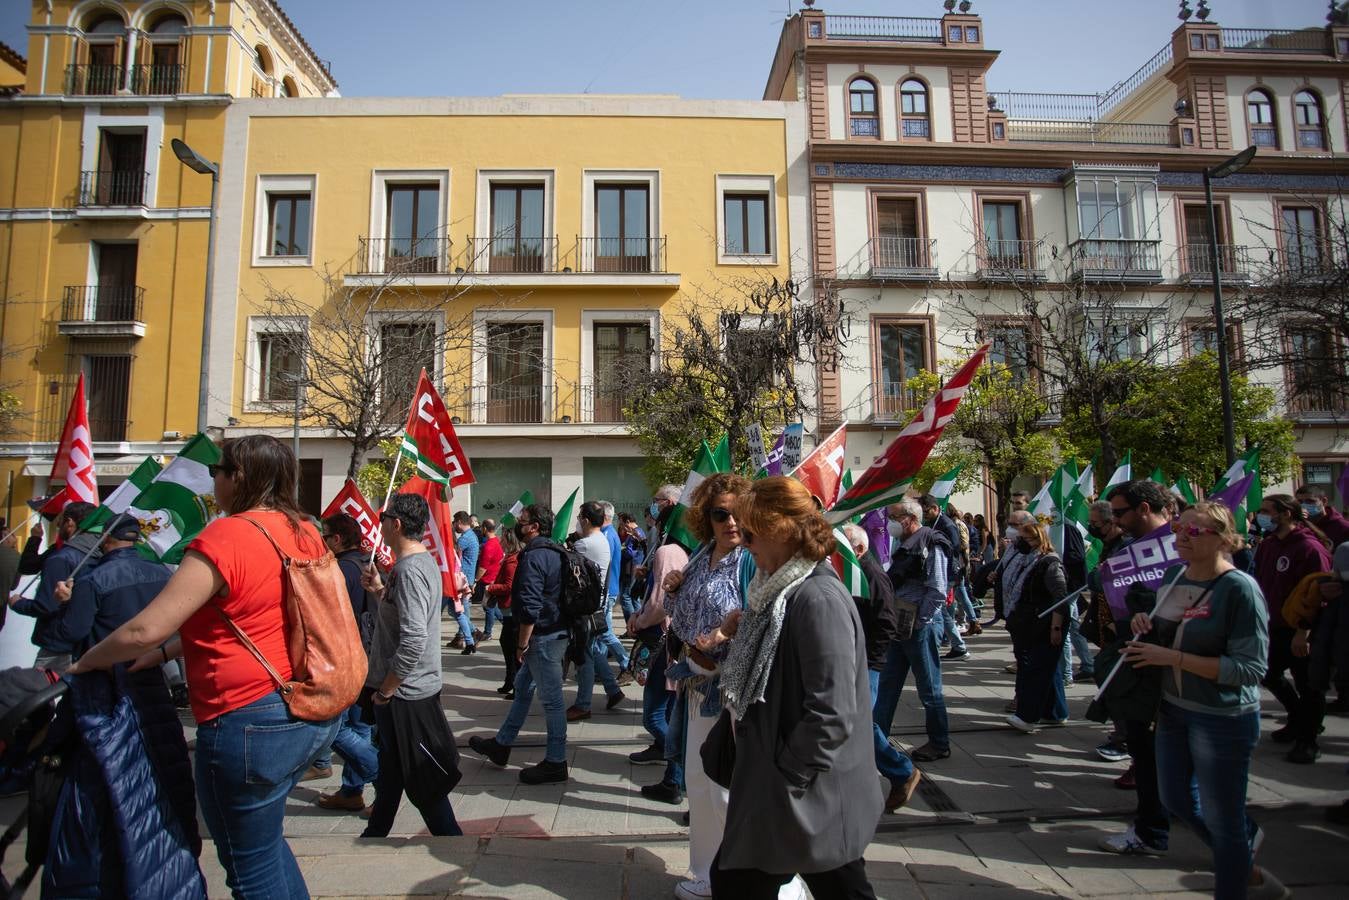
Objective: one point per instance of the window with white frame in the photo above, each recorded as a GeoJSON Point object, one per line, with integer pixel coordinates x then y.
{"type": "Point", "coordinates": [616, 345]}
{"type": "Point", "coordinates": [406, 346]}
{"type": "Point", "coordinates": [514, 222]}
{"type": "Point", "coordinates": [1118, 335]}
{"type": "Point", "coordinates": [513, 372]}
{"type": "Point", "coordinates": [620, 222]}
{"type": "Point", "coordinates": [283, 225]}
{"type": "Point", "coordinates": [408, 228]}
{"type": "Point", "coordinates": [277, 348]}
{"type": "Point", "coordinates": [746, 226]}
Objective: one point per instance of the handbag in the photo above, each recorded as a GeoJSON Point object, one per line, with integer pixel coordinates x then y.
{"type": "Point", "coordinates": [327, 662]}
{"type": "Point", "coordinates": [718, 751]}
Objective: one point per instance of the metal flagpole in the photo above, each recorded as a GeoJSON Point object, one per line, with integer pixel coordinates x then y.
{"type": "Point", "coordinates": [1119, 662]}
{"type": "Point", "coordinates": [17, 528]}
{"type": "Point", "coordinates": [398, 460]}
{"type": "Point", "coordinates": [1061, 602]}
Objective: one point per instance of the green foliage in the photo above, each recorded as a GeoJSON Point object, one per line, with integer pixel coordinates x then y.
{"type": "Point", "coordinates": [10, 410]}
{"type": "Point", "coordinates": [1175, 423]}
{"type": "Point", "coordinates": [373, 477]}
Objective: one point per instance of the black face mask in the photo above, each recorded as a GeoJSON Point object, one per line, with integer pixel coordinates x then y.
{"type": "Point", "coordinates": [520, 534]}
{"type": "Point", "coordinates": [1023, 546]}
{"type": "Point", "coordinates": [1096, 531]}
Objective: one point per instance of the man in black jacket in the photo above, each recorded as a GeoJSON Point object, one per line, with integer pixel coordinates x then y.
{"type": "Point", "coordinates": [536, 600]}
{"type": "Point", "coordinates": [56, 565]}
{"type": "Point", "coordinates": [879, 625]}
{"type": "Point", "coordinates": [940, 522]}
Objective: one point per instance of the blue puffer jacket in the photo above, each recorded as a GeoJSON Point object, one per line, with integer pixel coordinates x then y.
{"type": "Point", "coordinates": [126, 822]}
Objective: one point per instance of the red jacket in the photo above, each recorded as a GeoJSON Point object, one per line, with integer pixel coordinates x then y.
{"type": "Point", "coordinates": [501, 587]}
{"type": "Point", "coordinates": [1280, 563]}
{"type": "Point", "coordinates": [489, 559]}
{"type": "Point", "coordinates": [1334, 525]}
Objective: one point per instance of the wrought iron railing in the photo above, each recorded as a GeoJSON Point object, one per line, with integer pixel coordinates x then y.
{"type": "Point", "coordinates": [94, 79]}
{"type": "Point", "coordinates": [154, 79]}
{"type": "Point", "coordinates": [1064, 131]}
{"type": "Point", "coordinates": [882, 28]}
{"type": "Point", "coordinates": [403, 256]}
{"type": "Point", "coordinates": [885, 401]}
{"type": "Point", "coordinates": [604, 403]}
{"type": "Point", "coordinates": [1115, 96]}
{"type": "Point", "coordinates": [621, 254]}
{"type": "Point", "coordinates": [902, 255]}
{"type": "Point", "coordinates": [113, 187]}
{"type": "Point", "coordinates": [512, 254]}
{"type": "Point", "coordinates": [1196, 262]}
{"type": "Point", "coordinates": [515, 403]}
{"type": "Point", "coordinates": [864, 126]}
{"type": "Point", "coordinates": [1037, 105]}
{"type": "Point", "coordinates": [1008, 258]}
{"type": "Point", "coordinates": [102, 303]}
{"type": "Point", "coordinates": [1274, 40]}
{"type": "Point", "coordinates": [1317, 399]}
{"type": "Point", "coordinates": [1116, 257]}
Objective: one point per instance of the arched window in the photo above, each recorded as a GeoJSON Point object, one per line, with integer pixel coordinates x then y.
{"type": "Point", "coordinates": [915, 119]}
{"type": "Point", "coordinates": [288, 88]}
{"type": "Point", "coordinates": [102, 57]}
{"type": "Point", "coordinates": [169, 25]}
{"type": "Point", "coordinates": [106, 25]}
{"type": "Point", "coordinates": [262, 59]}
{"type": "Point", "coordinates": [1307, 121]}
{"type": "Point", "coordinates": [1260, 119]}
{"type": "Point", "coordinates": [863, 120]}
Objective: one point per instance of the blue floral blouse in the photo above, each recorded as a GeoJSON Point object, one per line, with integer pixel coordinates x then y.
{"type": "Point", "coordinates": [706, 596]}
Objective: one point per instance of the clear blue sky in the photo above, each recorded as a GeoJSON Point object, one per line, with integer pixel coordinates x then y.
{"type": "Point", "coordinates": [701, 48]}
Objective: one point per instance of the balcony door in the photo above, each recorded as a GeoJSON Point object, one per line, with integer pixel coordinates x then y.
{"type": "Point", "coordinates": [108, 381]}
{"type": "Point", "coordinates": [515, 372]}
{"type": "Point", "coordinates": [897, 244]}
{"type": "Point", "coordinates": [115, 297]}
{"type": "Point", "coordinates": [622, 228]}
{"type": "Point", "coordinates": [1198, 253]}
{"type": "Point", "coordinates": [1302, 240]}
{"type": "Point", "coordinates": [517, 228]}
{"type": "Point", "coordinates": [901, 353]}
{"type": "Point", "coordinates": [621, 348]}
{"type": "Point", "coordinates": [414, 220]}
{"type": "Point", "coordinates": [121, 168]}
{"type": "Point", "coordinates": [1002, 235]}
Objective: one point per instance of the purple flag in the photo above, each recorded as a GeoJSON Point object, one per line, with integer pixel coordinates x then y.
{"type": "Point", "coordinates": [1143, 562]}
{"type": "Point", "coordinates": [774, 465]}
{"type": "Point", "coordinates": [1234, 495]}
{"type": "Point", "coordinates": [1343, 486]}
{"type": "Point", "coordinates": [878, 537]}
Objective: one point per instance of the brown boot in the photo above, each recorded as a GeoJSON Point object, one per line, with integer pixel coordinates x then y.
{"type": "Point", "coordinates": [976, 628]}
{"type": "Point", "coordinates": [901, 794]}
{"type": "Point", "coordinates": [344, 802]}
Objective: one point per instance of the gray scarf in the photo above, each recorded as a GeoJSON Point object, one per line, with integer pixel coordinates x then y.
{"type": "Point", "coordinates": [1014, 579]}
{"type": "Point", "coordinates": [744, 674]}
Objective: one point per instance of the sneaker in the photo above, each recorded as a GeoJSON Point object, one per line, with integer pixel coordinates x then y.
{"type": "Point", "coordinates": [576, 714]}
{"type": "Point", "coordinates": [1053, 723]}
{"type": "Point", "coordinates": [614, 700]}
{"type": "Point", "coordinates": [344, 802]}
{"type": "Point", "coordinates": [651, 756]}
{"type": "Point", "coordinates": [1283, 735]}
{"type": "Point", "coordinates": [1129, 844]}
{"type": "Point", "coordinates": [663, 791]}
{"type": "Point", "coordinates": [1304, 753]}
{"type": "Point", "coordinates": [1269, 888]}
{"type": "Point", "coordinates": [963, 629]}
{"type": "Point", "coordinates": [544, 772]}
{"type": "Point", "coordinates": [625, 679]}
{"type": "Point", "coordinates": [929, 753]}
{"type": "Point", "coordinates": [1127, 781]}
{"type": "Point", "coordinates": [1010, 668]}
{"type": "Point", "coordinates": [1112, 752]}
{"type": "Point", "coordinates": [314, 773]}
{"type": "Point", "coordinates": [957, 653]}
{"type": "Point", "coordinates": [1021, 724]}
{"type": "Point", "coordinates": [489, 748]}
{"type": "Point", "coordinates": [901, 794]}
{"type": "Point", "coordinates": [693, 890]}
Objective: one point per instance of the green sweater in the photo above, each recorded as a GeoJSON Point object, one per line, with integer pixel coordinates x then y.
{"type": "Point", "coordinates": [1231, 623]}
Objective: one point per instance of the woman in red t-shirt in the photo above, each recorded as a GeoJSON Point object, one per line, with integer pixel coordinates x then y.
{"type": "Point", "coordinates": [250, 750]}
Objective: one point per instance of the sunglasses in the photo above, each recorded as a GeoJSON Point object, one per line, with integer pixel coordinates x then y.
{"type": "Point", "coordinates": [1193, 531]}
{"type": "Point", "coordinates": [1121, 512]}
{"type": "Point", "coordinates": [720, 514]}
{"type": "Point", "coordinates": [220, 468]}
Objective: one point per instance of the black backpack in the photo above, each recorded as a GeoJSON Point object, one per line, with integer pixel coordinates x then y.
{"type": "Point", "coordinates": [582, 585]}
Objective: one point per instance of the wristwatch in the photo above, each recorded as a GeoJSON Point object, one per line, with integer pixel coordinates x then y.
{"type": "Point", "coordinates": [385, 697]}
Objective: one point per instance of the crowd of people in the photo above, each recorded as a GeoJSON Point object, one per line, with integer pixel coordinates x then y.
{"type": "Point", "coordinates": [769, 694]}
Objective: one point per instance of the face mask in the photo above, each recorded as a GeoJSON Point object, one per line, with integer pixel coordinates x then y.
{"type": "Point", "coordinates": [1312, 510]}
{"type": "Point", "coordinates": [654, 509]}
{"type": "Point", "coordinates": [1022, 545]}
{"type": "Point", "coordinates": [929, 520]}
{"type": "Point", "coordinates": [896, 529]}
{"type": "Point", "coordinates": [520, 533]}
{"type": "Point", "coordinates": [1264, 522]}
{"type": "Point", "coordinates": [1096, 531]}
{"type": "Point", "coordinates": [1011, 533]}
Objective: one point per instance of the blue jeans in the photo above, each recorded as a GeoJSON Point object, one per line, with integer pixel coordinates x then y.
{"type": "Point", "coordinates": [490, 614]}
{"type": "Point", "coordinates": [611, 642]}
{"type": "Point", "coordinates": [437, 814]}
{"type": "Point", "coordinates": [1082, 647]}
{"type": "Point", "coordinates": [657, 701]}
{"type": "Point", "coordinates": [598, 661]}
{"type": "Point", "coordinates": [1202, 764]}
{"type": "Point", "coordinates": [353, 743]}
{"type": "Point", "coordinates": [542, 667]}
{"type": "Point", "coordinates": [892, 764]}
{"type": "Point", "coordinates": [1059, 710]}
{"type": "Point", "coordinates": [247, 762]}
{"type": "Point", "coordinates": [465, 626]}
{"type": "Point", "coordinates": [949, 630]}
{"type": "Point", "coordinates": [922, 654]}
{"type": "Point", "coordinates": [963, 602]}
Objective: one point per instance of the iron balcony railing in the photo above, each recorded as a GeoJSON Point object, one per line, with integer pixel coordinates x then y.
{"type": "Point", "coordinates": [90, 79]}
{"type": "Point", "coordinates": [154, 79]}
{"type": "Point", "coordinates": [1275, 40]}
{"type": "Point", "coordinates": [885, 401]}
{"type": "Point", "coordinates": [1116, 95]}
{"type": "Point", "coordinates": [1116, 259]}
{"type": "Point", "coordinates": [1304, 263]}
{"type": "Point", "coordinates": [1064, 131]}
{"type": "Point", "coordinates": [864, 126]}
{"type": "Point", "coordinates": [1010, 259]}
{"type": "Point", "coordinates": [519, 402]}
{"type": "Point", "coordinates": [882, 28]}
{"type": "Point", "coordinates": [113, 187]}
{"type": "Point", "coordinates": [1317, 400]}
{"type": "Point", "coordinates": [102, 303]}
{"type": "Point", "coordinates": [403, 256]}
{"type": "Point", "coordinates": [604, 403]}
{"type": "Point", "coordinates": [1196, 263]}
{"type": "Point", "coordinates": [512, 254]}
{"type": "Point", "coordinates": [1078, 107]}
{"type": "Point", "coordinates": [621, 254]}
{"type": "Point", "coordinates": [903, 257]}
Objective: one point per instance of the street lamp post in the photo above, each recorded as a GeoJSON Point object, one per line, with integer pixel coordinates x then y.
{"type": "Point", "coordinates": [198, 163]}
{"type": "Point", "coordinates": [1222, 170]}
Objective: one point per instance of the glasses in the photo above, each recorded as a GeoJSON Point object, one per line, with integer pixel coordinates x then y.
{"type": "Point", "coordinates": [720, 514]}
{"type": "Point", "coordinates": [1120, 512]}
{"type": "Point", "coordinates": [215, 469]}
{"type": "Point", "coordinates": [1193, 531]}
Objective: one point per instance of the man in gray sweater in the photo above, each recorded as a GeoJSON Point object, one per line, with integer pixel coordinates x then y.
{"type": "Point", "coordinates": [405, 669]}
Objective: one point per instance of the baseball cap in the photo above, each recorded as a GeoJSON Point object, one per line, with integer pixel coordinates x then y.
{"type": "Point", "coordinates": [124, 530]}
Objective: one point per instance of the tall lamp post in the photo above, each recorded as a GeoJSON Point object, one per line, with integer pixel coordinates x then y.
{"type": "Point", "coordinates": [200, 164]}
{"type": "Point", "coordinates": [1222, 170]}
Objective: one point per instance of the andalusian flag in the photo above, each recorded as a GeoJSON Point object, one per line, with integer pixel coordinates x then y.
{"type": "Point", "coordinates": [1065, 507]}
{"type": "Point", "coordinates": [517, 507]}
{"type": "Point", "coordinates": [945, 486]}
{"type": "Point", "coordinates": [1159, 477]}
{"type": "Point", "coordinates": [1086, 482]}
{"type": "Point", "coordinates": [708, 462]}
{"type": "Point", "coordinates": [120, 500]}
{"type": "Point", "coordinates": [1247, 464]}
{"type": "Point", "coordinates": [1123, 472]}
{"type": "Point", "coordinates": [178, 502]}
{"type": "Point", "coordinates": [849, 568]}
{"type": "Point", "coordinates": [562, 524]}
{"type": "Point", "coordinates": [1184, 490]}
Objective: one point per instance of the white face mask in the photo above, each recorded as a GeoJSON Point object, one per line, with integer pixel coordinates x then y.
{"type": "Point", "coordinates": [896, 529]}
{"type": "Point", "coordinates": [1011, 533]}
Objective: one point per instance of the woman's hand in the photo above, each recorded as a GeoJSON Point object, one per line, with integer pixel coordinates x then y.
{"type": "Point", "coordinates": [673, 581]}
{"type": "Point", "coordinates": [1141, 623]}
{"type": "Point", "coordinates": [1301, 643]}
{"type": "Point", "coordinates": [371, 581]}
{"type": "Point", "coordinates": [379, 699]}
{"type": "Point", "coordinates": [1142, 653]}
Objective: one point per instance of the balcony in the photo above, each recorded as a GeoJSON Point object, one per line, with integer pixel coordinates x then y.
{"type": "Point", "coordinates": [144, 80]}
{"type": "Point", "coordinates": [91, 310]}
{"type": "Point", "coordinates": [98, 80]}
{"type": "Point", "coordinates": [884, 402]}
{"type": "Point", "coordinates": [864, 126]}
{"type": "Point", "coordinates": [1276, 40]}
{"type": "Point", "coordinates": [1132, 261]}
{"type": "Point", "coordinates": [1317, 401]}
{"type": "Point", "coordinates": [1196, 264]}
{"type": "Point", "coordinates": [1069, 131]}
{"type": "Point", "coordinates": [113, 187]}
{"type": "Point", "coordinates": [615, 255]}
{"type": "Point", "coordinates": [158, 79]}
{"type": "Point", "coordinates": [398, 257]}
{"type": "Point", "coordinates": [1010, 261]}
{"type": "Point", "coordinates": [901, 29]}
{"type": "Point", "coordinates": [901, 259]}
{"type": "Point", "coordinates": [510, 255]}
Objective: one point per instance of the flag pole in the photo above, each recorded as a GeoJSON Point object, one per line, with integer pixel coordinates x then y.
{"type": "Point", "coordinates": [1061, 602]}
{"type": "Point", "coordinates": [17, 528]}
{"type": "Point", "coordinates": [397, 461]}
{"type": "Point", "coordinates": [107, 529]}
{"type": "Point", "coordinates": [1119, 662]}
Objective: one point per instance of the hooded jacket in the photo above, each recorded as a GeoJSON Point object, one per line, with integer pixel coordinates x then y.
{"type": "Point", "coordinates": [1280, 563]}
{"type": "Point", "coordinates": [57, 566]}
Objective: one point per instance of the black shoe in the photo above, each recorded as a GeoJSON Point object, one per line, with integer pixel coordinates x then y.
{"type": "Point", "coordinates": [651, 756]}
{"type": "Point", "coordinates": [509, 695]}
{"type": "Point", "coordinates": [505, 689]}
{"type": "Point", "coordinates": [469, 650]}
{"type": "Point", "coordinates": [1338, 706]}
{"type": "Point", "coordinates": [957, 654]}
{"type": "Point", "coordinates": [544, 772]}
{"type": "Point", "coordinates": [663, 791]}
{"type": "Point", "coordinates": [684, 819]}
{"type": "Point", "coordinates": [929, 753]}
{"type": "Point", "coordinates": [1303, 753]}
{"type": "Point", "coordinates": [1283, 735]}
{"type": "Point", "coordinates": [489, 748]}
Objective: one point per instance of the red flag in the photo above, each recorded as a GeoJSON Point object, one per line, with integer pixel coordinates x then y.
{"type": "Point", "coordinates": [439, 537]}
{"type": "Point", "coordinates": [74, 463]}
{"type": "Point", "coordinates": [822, 470]}
{"type": "Point", "coordinates": [429, 440]}
{"type": "Point", "coordinates": [351, 502]}
{"type": "Point", "coordinates": [889, 476]}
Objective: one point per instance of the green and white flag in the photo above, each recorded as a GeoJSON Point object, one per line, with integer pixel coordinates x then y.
{"type": "Point", "coordinates": [1123, 472]}
{"type": "Point", "coordinates": [517, 507]}
{"type": "Point", "coordinates": [1248, 462]}
{"type": "Point", "coordinates": [1159, 477]}
{"type": "Point", "coordinates": [1065, 507]}
{"type": "Point", "coordinates": [1184, 490]}
{"type": "Point", "coordinates": [178, 502]}
{"type": "Point", "coordinates": [849, 568]}
{"type": "Point", "coordinates": [944, 486]}
{"type": "Point", "coordinates": [562, 524]}
{"type": "Point", "coordinates": [708, 462]}
{"type": "Point", "coordinates": [1086, 482]}
{"type": "Point", "coordinates": [120, 500]}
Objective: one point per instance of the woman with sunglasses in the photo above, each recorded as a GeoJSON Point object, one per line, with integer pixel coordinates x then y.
{"type": "Point", "coordinates": [1035, 577]}
{"type": "Point", "coordinates": [250, 750]}
{"type": "Point", "coordinates": [1210, 635]}
{"type": "Point", "coordinates": [698, 599]}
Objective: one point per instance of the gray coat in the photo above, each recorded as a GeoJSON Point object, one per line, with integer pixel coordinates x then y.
{"type": "Point", "coordinates": [805, 796]}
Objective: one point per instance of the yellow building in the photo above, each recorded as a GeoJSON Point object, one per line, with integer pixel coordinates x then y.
{"type": "Point", "coordinates": [103, 232]}
{"type": "Point", "coordinates": [523, 249]}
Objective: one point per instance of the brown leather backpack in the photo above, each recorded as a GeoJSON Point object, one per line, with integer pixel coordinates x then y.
{"type": "Point", "coordinates": [328, 664]}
